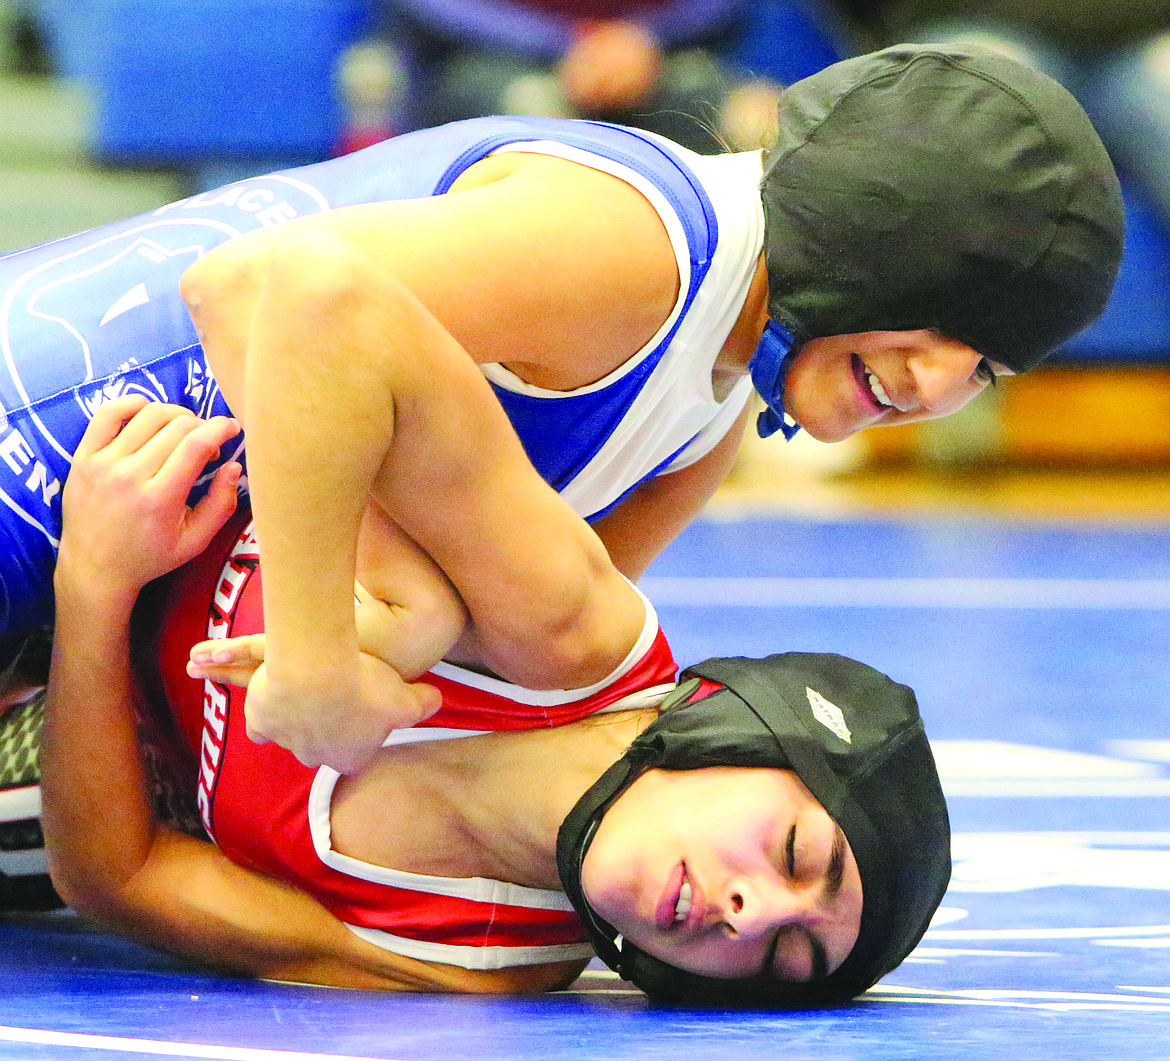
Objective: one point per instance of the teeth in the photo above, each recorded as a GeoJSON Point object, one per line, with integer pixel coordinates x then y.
{"type": "Point", "coordinates": [683, 906]}
{"type": "Point", "coordinates": [879, 392]}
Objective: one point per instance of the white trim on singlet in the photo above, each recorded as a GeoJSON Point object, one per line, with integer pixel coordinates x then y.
{"type": "Point", "coordinates": [555, 697]}
{"type": "Point", "coordinates": [651, 696]}
{"type": "Point", "coordinates": [471, 957]}
{"type": "Point", "coordinates": [675, 412]}
{"type": "Point", "coordinates": [678, 240]}
{"type": "Point", "coordinates": [474, 889]}
{"type": "Point", "coordinates": [740, 224]}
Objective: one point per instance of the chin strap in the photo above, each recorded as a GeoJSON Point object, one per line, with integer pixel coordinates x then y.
{"type": "Point", "coordinates": [768, 368]}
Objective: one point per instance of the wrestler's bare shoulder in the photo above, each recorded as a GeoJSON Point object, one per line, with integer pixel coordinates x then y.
{"type": "Point", "coordinates": [558, 270]}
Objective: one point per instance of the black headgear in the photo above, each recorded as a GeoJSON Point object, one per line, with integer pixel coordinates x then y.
{"type": "Point", "coordinates": [930, 186]}
{"type": "Point", "coordinates": [855, 740]}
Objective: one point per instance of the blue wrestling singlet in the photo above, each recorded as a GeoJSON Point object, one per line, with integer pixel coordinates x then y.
{"type": "Point", "coordinates": [98, 315]}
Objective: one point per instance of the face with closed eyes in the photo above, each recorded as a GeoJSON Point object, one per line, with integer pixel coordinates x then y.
{"type": "Point", "coordinates": [726, 872]}
{"type": "Point", "coordinates": [839, 384]}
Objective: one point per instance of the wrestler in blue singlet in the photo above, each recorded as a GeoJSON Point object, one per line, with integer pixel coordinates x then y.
{"type": "Point", "coordinates": [99, 315]}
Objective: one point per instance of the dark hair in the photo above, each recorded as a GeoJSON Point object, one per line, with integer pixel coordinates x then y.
{"type": "Point", "coordinates": [25, 657]}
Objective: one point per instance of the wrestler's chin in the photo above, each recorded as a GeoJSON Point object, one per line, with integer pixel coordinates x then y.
{"type": "Point", "coordinates": [829, 425]}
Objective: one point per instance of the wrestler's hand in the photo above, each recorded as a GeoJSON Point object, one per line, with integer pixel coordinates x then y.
{"type": "Point", "coordinates": [345, 744]}
{"type": "Point", "coordinates": [342, 727]}
{"type": "Point", "coordinates": [408, 642]}
{"type": "Point", "coordinates": [228, 660]}
{"type": "Point", "coordinates": [125, 513]}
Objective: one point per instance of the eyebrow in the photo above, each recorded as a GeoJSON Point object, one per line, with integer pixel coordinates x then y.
{"type": "Point", "coordinates": [820, 959]}
{"type": "Point", "coordinates": [834, 880]}
{"type": "Point", "coordinates": [835, 875]}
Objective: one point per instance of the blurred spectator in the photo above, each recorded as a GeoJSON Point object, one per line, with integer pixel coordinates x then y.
{"type": "Point", "coordinates": [664, 65]}
{"type": "Point", "coordinates": [1114, 57]}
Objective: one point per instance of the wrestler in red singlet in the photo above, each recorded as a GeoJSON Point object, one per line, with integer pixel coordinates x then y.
{"type": "Point", "coordinates": [268, 811]}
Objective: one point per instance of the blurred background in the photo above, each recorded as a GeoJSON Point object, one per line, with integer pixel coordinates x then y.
{"type": "Point", "coordinates": [112, 107]}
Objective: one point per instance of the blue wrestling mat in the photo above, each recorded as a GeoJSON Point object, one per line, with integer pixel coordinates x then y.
{"type": "Point", "coordinates": [1040, 658]}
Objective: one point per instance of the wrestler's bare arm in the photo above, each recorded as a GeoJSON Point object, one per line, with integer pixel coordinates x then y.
{"type": "Point", "coordinates": [411, 421]}
{"type": "Point", "coordinates": [556, 269]}
{"type": "Point", "coordinates": [411, 623]}
{"type": "Point", "coordinates": [434, 449]}
{"type": "Point", "coordinates": [658, 510]}
{"type": "Point", "coordinates": [159, 887]}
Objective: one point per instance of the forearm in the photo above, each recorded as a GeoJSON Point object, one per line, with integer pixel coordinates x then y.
{"type": "Point", "coordinates": [97, 821]}
{"type": "Point", "coordinates": [108, 859]}
{"type": "Point", "coordinates": [126, 522]}
{"type": "Point", "coordinates": [637, 530]}
{"type": "Point", "coordinates": [337, 353]}
{"type": "Point", "coordinates": [342, 363]}
{"type": "Point", "coordinates": [318, 415]}
{"type": "Point", "coordinates": [314, 374]}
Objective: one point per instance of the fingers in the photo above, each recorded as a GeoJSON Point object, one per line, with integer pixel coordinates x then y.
{"type": "Point", "coordinates": [214, 509]}
{"type": "Point", "coordinates": [154, 432]}
{"type": "Point", "coordinates": [232, 661]}
{"type": "Point", "coordinates": [182, 446]}
{"type": "Point", "coordinates": [237, 674]}
{"type": "Point", "coordinates": [246, 651]}
{"type": "Point", "coordinates": [108, 423]}
{"type": "Point", "coordinates": [144, 425]}
{"type": "Point", "coordinates": [165, 448]}
{"type": "Point", "coordinates": [427, 700]}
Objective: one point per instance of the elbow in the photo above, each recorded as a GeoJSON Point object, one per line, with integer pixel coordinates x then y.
{"type": "Point", "coordinates": [321, 277]}
{"type": "Point", "coordinates": [83, 895]}
{"type": "Point", "coordinates": [220, 278]}
{"type": "Point", "coordinates": [226, 289]}
{"type": "Point", "coordinates": [220, 293]}
{"type": "Point", "coordinates": [93, 890]}
{"type": "Point", "coordinates": [574, 660]}
{"type": "Point", "coordinates": [580, 643]}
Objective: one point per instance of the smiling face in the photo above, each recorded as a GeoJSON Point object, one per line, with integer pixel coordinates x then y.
{"type": "Point", "coordinates": [726, 872]}
{"type": "Point", "coordinates": [839, 384]}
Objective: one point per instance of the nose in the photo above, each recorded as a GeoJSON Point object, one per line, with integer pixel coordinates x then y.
{"type": "Point", "coordinates": [943, 376]}
{"type": "Point", "coordinates": [753, 908]}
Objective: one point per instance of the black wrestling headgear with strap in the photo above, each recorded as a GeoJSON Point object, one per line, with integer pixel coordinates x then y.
{"type": "Point", "coordinates": [855, 740]}
{"type": "Point", "coordinates": [950, 188]}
